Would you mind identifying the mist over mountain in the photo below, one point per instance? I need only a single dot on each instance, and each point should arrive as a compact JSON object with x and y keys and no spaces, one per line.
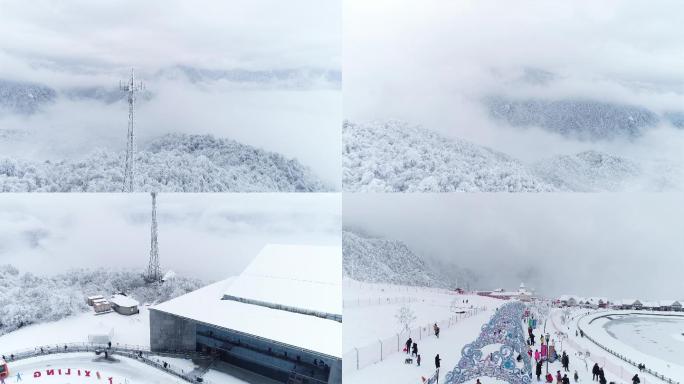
{"x":577,"y":119}
{"x":378,"y":260}
{"x":24,"y":98}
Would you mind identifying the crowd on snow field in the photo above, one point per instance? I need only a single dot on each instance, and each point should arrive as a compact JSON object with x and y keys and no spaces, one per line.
{"x":547,"y":354}
{"x":411,"y":348}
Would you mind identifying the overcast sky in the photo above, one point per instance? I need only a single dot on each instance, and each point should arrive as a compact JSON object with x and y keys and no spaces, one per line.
{"x":210,"y":236}
{"x":618,"y":245}
{"x":430,"y":62}
{"x":83,"y":43}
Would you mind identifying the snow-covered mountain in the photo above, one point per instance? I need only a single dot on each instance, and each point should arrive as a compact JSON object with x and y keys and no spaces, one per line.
{"x":578,"y":119}
{"x":291,"y":78}
{"x":588,"y":171}
{"x":397,"y":157}
{"x":172,"y":163}
{"x":377,"y":260}
{"x":24,"y":97}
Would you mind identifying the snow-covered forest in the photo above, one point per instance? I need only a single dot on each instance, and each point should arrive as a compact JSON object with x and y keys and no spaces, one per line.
{"x":170,"y":163}
{"x":29,"y":299}
{"x":374,"y":259}
{"x":395,"y":156}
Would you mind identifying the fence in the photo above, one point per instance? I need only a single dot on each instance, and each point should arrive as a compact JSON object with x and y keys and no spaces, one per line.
{"x":616,"y":369}
{"x":135,"y":352}
{"x":361,"y":357}
{"x":368,"y":301}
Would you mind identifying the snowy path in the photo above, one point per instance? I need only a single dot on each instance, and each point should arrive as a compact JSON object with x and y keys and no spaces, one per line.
{"x":448,"y":346}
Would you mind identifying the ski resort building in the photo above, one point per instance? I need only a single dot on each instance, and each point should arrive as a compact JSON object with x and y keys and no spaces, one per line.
{"x":280,"y":318}
{"x":124,"y":305}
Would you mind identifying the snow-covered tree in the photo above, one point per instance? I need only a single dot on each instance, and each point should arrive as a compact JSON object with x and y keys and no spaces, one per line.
{"x":405,"y":318}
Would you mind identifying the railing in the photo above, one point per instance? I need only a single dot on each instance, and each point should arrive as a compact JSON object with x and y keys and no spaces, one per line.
{"x":361,"y":357}
{"x":618,"y":370}
{"x":369,"y":301}
{"x":135,"y":352}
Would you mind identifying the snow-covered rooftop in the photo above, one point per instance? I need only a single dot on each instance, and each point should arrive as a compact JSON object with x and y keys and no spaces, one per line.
{"x":124,"y":301}
{"x":301,"y":276}
{"x":206,"y":305}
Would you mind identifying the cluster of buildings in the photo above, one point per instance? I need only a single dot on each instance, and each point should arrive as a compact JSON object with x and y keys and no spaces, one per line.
{"x":522,"y":294}
{"x":118,"y":303}
{"x":281,"y":318}
{"x":632,"y":304}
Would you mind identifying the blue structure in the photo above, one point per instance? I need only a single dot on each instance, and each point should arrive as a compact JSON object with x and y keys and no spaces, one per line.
{"x":505,"y":330}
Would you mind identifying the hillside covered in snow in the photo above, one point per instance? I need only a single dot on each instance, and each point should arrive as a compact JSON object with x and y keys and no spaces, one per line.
{"x":397,"y":157}
{"x":27,"y":299}
{"x":170,"y":163}
{"x":588,"y":171}
{"x":578,"y":119}
{"x":377,"y":260}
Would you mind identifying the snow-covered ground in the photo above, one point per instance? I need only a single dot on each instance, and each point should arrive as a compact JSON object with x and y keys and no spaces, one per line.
{"x":615,"y":369}
{"x":369,"y":317}
{"x":85,"y":368}
{"x":131,"y":330}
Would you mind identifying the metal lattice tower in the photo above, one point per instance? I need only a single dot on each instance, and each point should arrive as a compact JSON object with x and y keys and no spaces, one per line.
{"x":129,"y":167}
{"x":153,"y":274}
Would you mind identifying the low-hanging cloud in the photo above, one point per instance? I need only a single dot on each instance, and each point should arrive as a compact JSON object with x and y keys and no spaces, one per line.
{"x":432,"y":62}
{"x":80,"y":44}
{"x":617,"y":245}
{"x":210,"y":236}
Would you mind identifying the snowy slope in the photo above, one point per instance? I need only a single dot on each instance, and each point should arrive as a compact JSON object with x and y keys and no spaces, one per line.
{"x":23,"y":97}
{"x":171,"y":163}
{"x":397,"y":157}
{"x":580,"y":119}
{"x":377,"y":260}
{"x":588,"y":171}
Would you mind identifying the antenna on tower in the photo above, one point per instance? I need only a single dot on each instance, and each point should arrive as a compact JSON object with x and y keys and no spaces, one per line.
{"x":153,"y":274}
{"x":129,"y":167}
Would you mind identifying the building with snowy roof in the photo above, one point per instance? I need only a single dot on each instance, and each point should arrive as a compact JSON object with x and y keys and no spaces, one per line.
{"x":124,"y":305}
{"x":280,"y":318}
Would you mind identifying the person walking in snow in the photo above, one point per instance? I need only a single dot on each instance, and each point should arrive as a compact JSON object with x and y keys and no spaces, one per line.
{"x":18,"y":376}
{"x":635,"y":379}
{"x":414,"y":352}
{"x":566,"y":379}
{"x":595,"y":372}
{"x":418,"y":360}
{"x":436,"y":329}
{"x":537,"y":355}
{"x":437,"y":361}
{"x":559,"y":378}
{"x":602,"y":376}
{"x":538,"y":370}
{"x":565,"y":361}
{"x":409,"y":342}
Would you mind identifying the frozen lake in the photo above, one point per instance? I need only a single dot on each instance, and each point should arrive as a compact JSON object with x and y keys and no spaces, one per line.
{"x":658,"y":336}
